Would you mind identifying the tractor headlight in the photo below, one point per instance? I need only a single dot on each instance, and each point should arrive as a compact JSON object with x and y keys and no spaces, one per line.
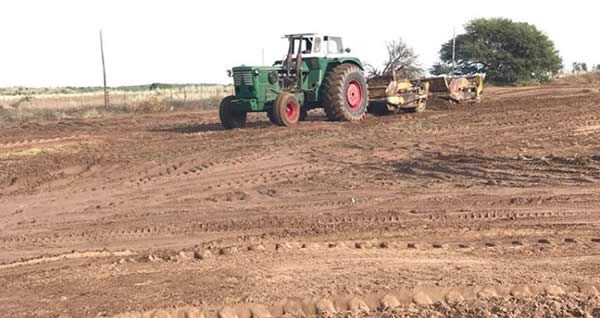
{"x":256,"y":72}
{"x":273,"y":78}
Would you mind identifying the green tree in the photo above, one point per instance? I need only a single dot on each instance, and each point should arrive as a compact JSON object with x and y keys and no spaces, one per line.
{"x":580,"y":67}
{"x":506,"y":51}
{"x":440,"y":68}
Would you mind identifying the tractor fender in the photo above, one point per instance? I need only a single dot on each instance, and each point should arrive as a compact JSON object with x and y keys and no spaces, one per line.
{"x":348,"y":60}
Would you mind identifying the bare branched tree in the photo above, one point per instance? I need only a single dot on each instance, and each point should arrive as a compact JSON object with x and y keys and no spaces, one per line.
{"x":401,"y":60}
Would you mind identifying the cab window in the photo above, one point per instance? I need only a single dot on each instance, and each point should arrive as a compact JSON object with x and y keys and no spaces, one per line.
{"x":317,"y":45}
{"x":308,"y":46}
{"x":334,"y":45}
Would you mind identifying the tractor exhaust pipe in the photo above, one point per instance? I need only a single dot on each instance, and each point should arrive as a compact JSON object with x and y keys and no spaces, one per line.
{"x":288,"y":61}
{"x":299,"y":65}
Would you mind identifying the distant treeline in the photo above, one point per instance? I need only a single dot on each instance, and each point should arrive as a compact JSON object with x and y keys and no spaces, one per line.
{"x":27,"y":91}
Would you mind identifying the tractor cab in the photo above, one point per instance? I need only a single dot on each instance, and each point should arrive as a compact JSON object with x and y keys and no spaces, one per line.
{"x":309,"y":55}
{"x":315,"y":45}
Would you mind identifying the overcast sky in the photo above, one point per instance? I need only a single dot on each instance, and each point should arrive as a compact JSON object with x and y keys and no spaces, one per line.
{"x":55,"y":43}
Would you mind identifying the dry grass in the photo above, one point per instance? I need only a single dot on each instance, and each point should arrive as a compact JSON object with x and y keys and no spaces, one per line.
{"x":590,"y":78}
{"x":68,"y":147}
{"x":41,"y":105}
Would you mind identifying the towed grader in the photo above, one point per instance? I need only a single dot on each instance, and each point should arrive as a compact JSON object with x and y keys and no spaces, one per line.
{"x":318,"y":72}
{"x":389,"y":95}
{"x":456,"y":89}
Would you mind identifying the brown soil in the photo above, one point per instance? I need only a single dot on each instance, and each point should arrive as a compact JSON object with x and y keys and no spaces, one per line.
{"x":473,"y":210}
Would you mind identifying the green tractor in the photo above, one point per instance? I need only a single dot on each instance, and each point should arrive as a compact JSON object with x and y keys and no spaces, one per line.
{"x":316,"y":72}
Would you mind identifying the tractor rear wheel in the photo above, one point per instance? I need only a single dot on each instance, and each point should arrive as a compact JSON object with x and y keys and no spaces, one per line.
{"x":345,"y":95}
{"x":230,"y":118}
{"x":286,"y":110}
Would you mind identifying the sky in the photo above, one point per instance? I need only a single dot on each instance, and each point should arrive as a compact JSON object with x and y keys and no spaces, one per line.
{"x":56,"y":43}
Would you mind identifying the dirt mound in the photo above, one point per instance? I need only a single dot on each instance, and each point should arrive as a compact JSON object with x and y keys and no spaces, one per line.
{"x":468,"y":301}
{"x":540,"y":306}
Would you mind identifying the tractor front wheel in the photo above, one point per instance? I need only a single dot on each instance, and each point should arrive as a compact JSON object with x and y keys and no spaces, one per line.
{"x":286,"y":110}
{"x":303,"y":115}
{"x":230,"y":118}
{"x":345,"y":94}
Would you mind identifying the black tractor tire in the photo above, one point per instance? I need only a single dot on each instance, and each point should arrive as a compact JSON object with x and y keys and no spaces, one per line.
{"x":378,"y":108}
{"x":271,"y":116}
{"x":344,"y":93}
{"x":286,"y":110}
{"x":230,"y":118}
{"x":303,"y":114}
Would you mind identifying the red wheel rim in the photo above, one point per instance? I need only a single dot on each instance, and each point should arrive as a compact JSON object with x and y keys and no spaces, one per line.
{"x":291,"y":111}
{"x":354,"y":95}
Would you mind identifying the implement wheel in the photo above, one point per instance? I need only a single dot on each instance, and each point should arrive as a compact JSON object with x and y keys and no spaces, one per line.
{"x":286,"y":110}
{"x":230,"y":118}
{"x":420,"y":107}
{"x":378,"y":108}
{"x":345,"y":94}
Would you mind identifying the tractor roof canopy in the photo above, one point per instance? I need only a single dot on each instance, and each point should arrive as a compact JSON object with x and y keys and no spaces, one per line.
{"x":316,"y":45}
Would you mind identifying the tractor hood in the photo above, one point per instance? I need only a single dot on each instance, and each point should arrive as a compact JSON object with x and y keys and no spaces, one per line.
{"x":247,"y":75}
{"x":255,"y":82}
{"x":246,"y":68}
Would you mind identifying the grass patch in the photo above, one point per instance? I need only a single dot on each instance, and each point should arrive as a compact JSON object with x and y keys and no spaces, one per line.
{"x":66,"y":148}
{"x":23,"y":111}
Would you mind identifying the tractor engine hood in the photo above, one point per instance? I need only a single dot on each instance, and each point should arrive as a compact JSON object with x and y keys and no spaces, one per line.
{"x":247,"y":75}
{"x":255,"y":82}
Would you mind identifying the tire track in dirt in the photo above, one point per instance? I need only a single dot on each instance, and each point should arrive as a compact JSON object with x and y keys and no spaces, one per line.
{"x":497,"y":171}
{"x":211,"y":249}
{"x":234,"y":173}
{"x":30,"y":142}
{"x":66,"y":256}
{"x":105,"y":231}
{"x":195,"y":166}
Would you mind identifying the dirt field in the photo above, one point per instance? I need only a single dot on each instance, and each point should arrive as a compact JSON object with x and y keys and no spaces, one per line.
{"x":488,"y":210}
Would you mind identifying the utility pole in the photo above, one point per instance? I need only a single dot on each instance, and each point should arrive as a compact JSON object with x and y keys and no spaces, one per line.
{"x":106,"y":99}
{"x":454,"y":50}
{"x":263,"y":57}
